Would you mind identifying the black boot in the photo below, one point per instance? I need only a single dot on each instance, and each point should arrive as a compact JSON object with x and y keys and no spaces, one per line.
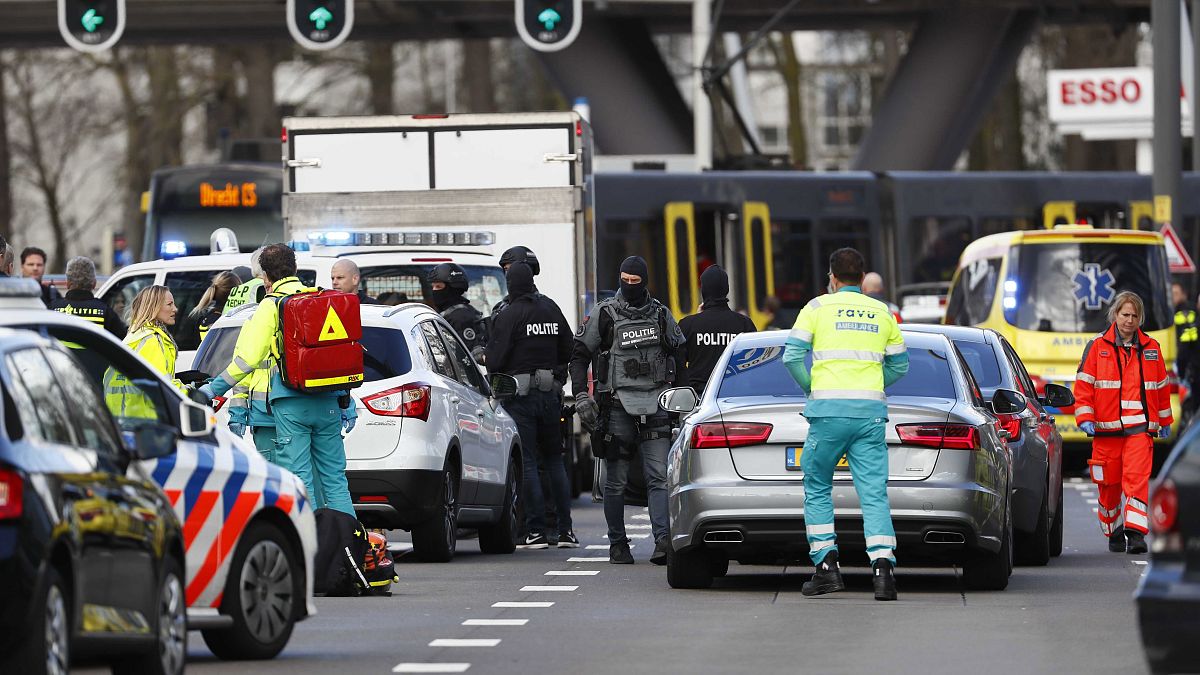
{"x":828,"y":578}
{"x":618,"y":554}
{"x":659,"y":557}
{"x":1116,"y":540}
{"x":885,"y":581}
{"x":1137,"y":542}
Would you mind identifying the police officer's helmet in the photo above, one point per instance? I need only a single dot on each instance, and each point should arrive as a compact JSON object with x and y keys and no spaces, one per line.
{"x":454,"y":276}
{"x":518,"y":254}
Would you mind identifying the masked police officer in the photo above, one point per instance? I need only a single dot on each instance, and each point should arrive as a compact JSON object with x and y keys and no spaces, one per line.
{"x":711,"y":329}
{"x":630,"y":341}
{"x":448,"y":283}
{"x":513,"y":255}
{"x":532,"y":342}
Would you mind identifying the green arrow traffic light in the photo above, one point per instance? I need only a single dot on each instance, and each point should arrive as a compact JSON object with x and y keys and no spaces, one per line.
{"x":320,"y":17}
{"x":91,"y":20}
{"x":549,"y":18}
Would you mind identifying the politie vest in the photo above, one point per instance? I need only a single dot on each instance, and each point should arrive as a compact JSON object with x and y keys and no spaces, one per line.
{"x":319,"y":346}
{"x":637,"y":360}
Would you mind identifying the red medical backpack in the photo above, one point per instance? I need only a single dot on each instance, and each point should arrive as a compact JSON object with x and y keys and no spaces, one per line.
{"x":320,"y":348}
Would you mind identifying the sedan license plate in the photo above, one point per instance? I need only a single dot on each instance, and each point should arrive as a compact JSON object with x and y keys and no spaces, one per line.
{"x":792,"y":462}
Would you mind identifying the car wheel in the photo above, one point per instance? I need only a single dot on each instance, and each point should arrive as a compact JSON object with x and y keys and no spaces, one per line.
{"x":986,"y":571}
{"x":1056,"y":530}
{"x":170,"y":653}
{"x":689,"y":569}
{"x":264,"y":585}
{"x":718,"y":565}
{"x":436,"y":539}
{"x":47,"y":648}
{"x":1033,"y":548}
{"x":501,"y":537}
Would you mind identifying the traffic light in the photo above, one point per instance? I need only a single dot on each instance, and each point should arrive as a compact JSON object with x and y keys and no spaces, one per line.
{"x":549,"y":25}
{"x":320,"y":24}
{"x":91,"y":25}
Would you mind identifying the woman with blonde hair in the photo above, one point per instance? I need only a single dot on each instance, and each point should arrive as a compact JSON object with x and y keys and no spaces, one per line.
{"x":208,"y":309}
{"x":151,"y":314}
{"x":1122,"y":400}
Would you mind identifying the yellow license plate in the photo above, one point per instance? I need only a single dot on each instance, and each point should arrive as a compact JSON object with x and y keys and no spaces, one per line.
{"x":792,"y":462}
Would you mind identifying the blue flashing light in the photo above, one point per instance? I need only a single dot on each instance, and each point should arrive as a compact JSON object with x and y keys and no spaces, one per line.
{"x":1010,"y":302}
{"x":1010,"y":286}
{"x":172,"y":248}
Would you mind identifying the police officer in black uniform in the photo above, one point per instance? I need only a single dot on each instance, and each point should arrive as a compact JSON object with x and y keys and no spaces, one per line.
{"x":531,"y":341}
{"x":711,"y":329}
{"x":448,"y":283}
{"x":512,"y":255}
{"x":79,"y":301}
{"x":630,"y":341}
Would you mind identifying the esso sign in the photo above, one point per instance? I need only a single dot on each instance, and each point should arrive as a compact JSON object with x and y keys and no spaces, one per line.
{"x":1100,"y":95}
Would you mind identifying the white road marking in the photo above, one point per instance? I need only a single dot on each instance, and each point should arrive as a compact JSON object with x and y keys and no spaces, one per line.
{"x":636,"y":535}
{"x":597,"y":547}
{"x":587,"y":559}
{"x":523,"y":604}
{"x":548,"y":589}
{"x":1140,"y":562}
{"x":571,"y":573}
{"x":468,"y":642}
{"x":641,"y":516}
{"x":431,"y":668}
{"x":1095,"y":509}
{"x":638,"y":526}
{"x":1075,"y":479}
{"x":495,"y":622}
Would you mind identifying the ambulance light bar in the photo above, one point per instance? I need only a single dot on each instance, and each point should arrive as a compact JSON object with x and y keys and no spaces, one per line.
{"x":343,"y":238}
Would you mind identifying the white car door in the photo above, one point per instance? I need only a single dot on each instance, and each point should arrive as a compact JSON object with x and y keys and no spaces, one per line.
{"x":493,"y":460}
{"x":463,"y":401}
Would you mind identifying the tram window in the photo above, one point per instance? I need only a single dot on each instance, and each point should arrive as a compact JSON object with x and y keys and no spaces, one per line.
{"x":973,"y":293}
{"x":838,"y":233}
{"x":619,"y":239}
{"x":938,"y":243}
{"x":998,"y":224}
{"x":792,"y":254}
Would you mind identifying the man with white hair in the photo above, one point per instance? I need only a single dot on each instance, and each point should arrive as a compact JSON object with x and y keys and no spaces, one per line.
{"x":346,"y":278}
{"x":79,"y":301}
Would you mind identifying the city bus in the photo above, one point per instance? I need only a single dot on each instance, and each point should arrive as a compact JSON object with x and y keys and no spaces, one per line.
{"x":186,"y":204}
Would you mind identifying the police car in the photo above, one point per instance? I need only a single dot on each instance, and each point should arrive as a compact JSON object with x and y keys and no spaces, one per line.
{"x":249,"y":532}
{"x":393,"y":267}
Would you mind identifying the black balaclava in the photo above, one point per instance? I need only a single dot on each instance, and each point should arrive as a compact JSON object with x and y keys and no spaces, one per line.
{"x":635,"y":294}
{"x":714,"y":286}
{"x":520,"y":280}
{"x":445,"y":297}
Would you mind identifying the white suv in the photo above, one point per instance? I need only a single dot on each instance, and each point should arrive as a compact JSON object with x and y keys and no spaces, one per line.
{"x":432,"y":450}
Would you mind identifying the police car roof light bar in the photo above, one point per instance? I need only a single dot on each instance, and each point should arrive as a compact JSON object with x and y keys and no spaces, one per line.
{"x":377,"y":238}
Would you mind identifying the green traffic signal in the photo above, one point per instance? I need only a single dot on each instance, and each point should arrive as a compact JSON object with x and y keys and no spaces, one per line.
{"x":91,"y":20}
{"x":320,"y":17}
{"x":549,"y":18}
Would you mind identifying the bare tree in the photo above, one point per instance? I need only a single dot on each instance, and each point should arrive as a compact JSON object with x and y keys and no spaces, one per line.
{"x":6,"y":206}
{"x":783,"y":47}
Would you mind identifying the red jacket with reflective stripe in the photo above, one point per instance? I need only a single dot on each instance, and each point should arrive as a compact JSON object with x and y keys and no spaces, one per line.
{"x":1123,"y":390}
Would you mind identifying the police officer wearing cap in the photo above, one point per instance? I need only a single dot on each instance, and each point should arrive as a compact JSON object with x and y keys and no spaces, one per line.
{"x":512,"y":255}
{"x":531,"y":341}
{"x":447,"y":284}
{"x":630,"y":342}
{"x":711,"y":329}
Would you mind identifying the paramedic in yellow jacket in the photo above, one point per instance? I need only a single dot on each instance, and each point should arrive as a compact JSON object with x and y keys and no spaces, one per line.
{"x":308,"y":427}
{"x":151,"y":315}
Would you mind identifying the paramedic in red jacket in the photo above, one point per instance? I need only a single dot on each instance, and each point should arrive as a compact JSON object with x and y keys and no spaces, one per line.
{"x":1122,"y":399}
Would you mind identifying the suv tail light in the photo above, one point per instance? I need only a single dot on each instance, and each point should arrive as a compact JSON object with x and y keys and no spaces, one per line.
{"x":12,"y":491}
{"x":948,"y":436}
{"x":409,"y":400}
{"x":1164,"y":508}
{"x":729,"y":434}
{"x":1011,"y":424}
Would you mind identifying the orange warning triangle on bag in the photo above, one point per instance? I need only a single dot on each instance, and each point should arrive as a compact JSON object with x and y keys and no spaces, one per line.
{"x":333,"y":328}
{"x":1177,"y":256}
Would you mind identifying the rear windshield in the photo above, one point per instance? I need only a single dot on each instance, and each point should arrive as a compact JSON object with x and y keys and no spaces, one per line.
{"x":760,"y":372}
{"x":394,"y":284}
{"x":981,"y":359}
{"x":385,"y":354}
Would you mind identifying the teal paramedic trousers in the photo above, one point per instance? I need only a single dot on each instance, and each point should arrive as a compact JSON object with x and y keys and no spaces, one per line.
{"x":863,"y":443}
{"x":308,"y":441}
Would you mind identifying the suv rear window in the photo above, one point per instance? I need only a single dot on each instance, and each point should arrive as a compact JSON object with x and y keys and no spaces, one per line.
{"x":385,"y":355}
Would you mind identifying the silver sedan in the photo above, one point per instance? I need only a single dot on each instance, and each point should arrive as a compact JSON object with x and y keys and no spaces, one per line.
{"x":737,"y":493}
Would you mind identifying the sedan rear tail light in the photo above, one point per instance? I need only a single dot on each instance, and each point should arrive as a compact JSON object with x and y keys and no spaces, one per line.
{"x":1164,"y":508}
{"x":729,"y":434}
{"x":1011,"y":424}
{"x":948,"y":436}
{"x":12,"y":491}
{"x":409,"y":400}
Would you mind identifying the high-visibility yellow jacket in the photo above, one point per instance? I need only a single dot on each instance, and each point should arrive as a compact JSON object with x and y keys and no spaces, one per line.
{"x":857,"y":350}
{"x":251,"y":291}
{"x":257,"y":345}
{"x":155,"y":345}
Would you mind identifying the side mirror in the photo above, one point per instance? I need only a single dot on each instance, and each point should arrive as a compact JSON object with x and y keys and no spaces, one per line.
{"x":151,"y":441}
{"x":679,"y":400}
{"x":503,"y":386}
{"x":1007,"y":402}
{"x":195,"y":419}
{"x":1058,"y":396}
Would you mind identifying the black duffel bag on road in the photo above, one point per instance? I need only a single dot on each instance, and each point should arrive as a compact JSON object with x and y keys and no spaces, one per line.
{"x":341,"y":553}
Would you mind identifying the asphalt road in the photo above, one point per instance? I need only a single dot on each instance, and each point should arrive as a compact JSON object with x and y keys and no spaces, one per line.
{"x":1074,"y":616}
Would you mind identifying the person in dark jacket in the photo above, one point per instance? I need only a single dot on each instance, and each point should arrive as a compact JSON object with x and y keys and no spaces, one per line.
{"x":79,"y":300}
{"x":346,"y":278}
{"x":33,"y":266}
{"x":448,"y":285}
{"x":710,"y":330}
{"x":514,"y":255}
{"x":532,"y":341}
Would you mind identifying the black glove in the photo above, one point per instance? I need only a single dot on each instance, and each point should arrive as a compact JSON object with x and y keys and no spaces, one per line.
{"x":588,"y":409}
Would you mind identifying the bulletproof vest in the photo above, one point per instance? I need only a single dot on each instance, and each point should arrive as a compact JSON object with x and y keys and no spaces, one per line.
{"x":637,"y":361}
{"x":469,"y":323}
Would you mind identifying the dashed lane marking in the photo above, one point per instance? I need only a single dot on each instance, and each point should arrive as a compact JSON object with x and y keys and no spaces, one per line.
{"x":589,"y":559}
{"x":431,"y":668}
{"x":641,"y":516}
{"x":495,"y":622}
{"x":597,"y":547}
{"x":1140,"y":562}
{"x":636,"y":535}
{"x":638,"y":526}
{"x":548,"y":589}
{"x":572,"y":573}
{"x":523,"y":604}
{"x":465,"y":642}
